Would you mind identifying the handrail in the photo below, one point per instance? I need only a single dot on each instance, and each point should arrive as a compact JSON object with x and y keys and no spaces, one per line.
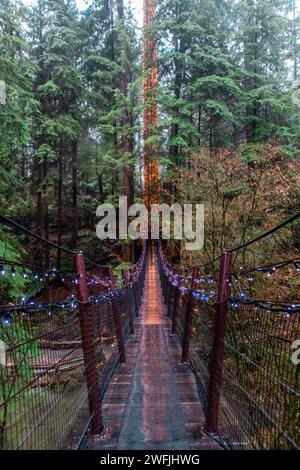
{"x":88,"y":341}
{"x":212,"y":337}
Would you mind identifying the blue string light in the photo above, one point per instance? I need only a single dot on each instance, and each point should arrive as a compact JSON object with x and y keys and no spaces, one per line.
{"x":267,"y":305}
{"x":268,"y":270}
{"x":40,"y":276}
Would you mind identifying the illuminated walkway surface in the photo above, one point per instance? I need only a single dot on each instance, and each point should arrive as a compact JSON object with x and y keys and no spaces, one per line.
{"x":153,"y":403}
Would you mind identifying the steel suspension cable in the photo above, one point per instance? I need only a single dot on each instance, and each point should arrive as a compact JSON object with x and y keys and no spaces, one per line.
{"x":6,"y":220}
{"x":255,"y":239}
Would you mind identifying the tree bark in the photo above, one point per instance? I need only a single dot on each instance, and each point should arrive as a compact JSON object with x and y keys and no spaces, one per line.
{"x":74,"y":193}
{"x":250,"y":64}
{"x":59,"y":205}
{"x":127,"y":140}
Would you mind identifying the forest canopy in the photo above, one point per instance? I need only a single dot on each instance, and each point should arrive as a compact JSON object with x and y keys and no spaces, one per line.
{"x":72,"y":131}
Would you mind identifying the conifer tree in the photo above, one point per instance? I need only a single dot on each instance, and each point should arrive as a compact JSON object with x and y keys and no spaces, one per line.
{"x":58,"y":87}
{"x":15,"y":127}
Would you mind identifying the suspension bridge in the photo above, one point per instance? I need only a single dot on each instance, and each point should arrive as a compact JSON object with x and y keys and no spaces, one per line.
{"x":160,"y":358}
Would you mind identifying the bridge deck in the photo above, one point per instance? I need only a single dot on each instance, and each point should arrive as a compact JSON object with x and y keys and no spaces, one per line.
{"x":153,"y":403}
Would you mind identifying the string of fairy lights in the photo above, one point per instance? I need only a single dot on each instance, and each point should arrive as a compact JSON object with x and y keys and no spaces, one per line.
{"x":240,"y":299}
{"x":244,"y":276}
{"x":28,"y":306}
{"x":9,"y":268}
{"x":205,"y":295}
{"x":13,"y":269}
{"x":269,"y":269}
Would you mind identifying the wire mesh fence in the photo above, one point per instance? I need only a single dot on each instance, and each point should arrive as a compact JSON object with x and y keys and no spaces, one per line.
{"x":57,"y":359}
{"x":259,"y":392}
{"x":42,"y":384}
{"x":202,"y":345}
{"x":181,"y":314}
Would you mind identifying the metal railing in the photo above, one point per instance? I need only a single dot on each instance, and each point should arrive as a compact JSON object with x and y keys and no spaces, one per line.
{"x":57,"y":358}
{"x":241,"y":352}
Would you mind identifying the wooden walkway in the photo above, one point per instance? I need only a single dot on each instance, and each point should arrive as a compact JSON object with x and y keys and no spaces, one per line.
{"x":152,"y":402}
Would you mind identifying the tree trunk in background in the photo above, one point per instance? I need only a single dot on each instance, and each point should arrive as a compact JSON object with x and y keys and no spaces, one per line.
{"x":100,"y":186}
{"x":127,"y":140}
{"x":250,"y":64}
{"x":23,"y":168}
{"x":59,"y":204}
{"x":74,"y":193}
{"x":99,"y":177}
{"x":180,"y":49}
{"x":211,"y":132}
{"x":199,"y":125}
{"x":39,"y":207}
{"x":45,"y":216}
{"x":174,"y":149}
{"x":120,"y":8}
{"x":295,"y":47}
{"x":42,"y":203}
{"x":150,"y":108}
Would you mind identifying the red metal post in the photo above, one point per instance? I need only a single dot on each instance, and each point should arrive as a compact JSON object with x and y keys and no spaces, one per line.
{"x":168,"y":295}
{"x":135,"y":296}
{"x":188,"y":319}
{"x":89,"y":354}
{"x":218,"y":344}
{"x":118,"y":328}
{"x":125,"y":282}
{"x":176,"y":307}
{"x":111,"y":278}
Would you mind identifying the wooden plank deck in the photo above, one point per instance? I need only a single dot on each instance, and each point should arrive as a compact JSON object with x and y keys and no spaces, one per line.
{"x":152,"y":402}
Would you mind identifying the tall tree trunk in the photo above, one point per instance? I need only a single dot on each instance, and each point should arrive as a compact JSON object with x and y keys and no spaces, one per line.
{"x":45,"y":215}
{"x":74,"y":192}
{"x":39,"y":204}
{"x":199,"y":124}
{"x":23,"y":168}
{"x":250,"y":64}
{"x":99,"y":177}
{"x":211,"y":130}
{"x":127,"y":140}
{"x":59,"y":204}
{"x":180,"y":48}
{"x":174,"y":149}
{"x":42,"y":204}
{"x":120,"y":8}
{"x":295,"y":48}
